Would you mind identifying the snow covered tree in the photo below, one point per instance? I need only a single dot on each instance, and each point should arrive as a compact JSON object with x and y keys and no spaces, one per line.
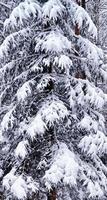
{"x":52,"y":137}
{"x":98,"y":11}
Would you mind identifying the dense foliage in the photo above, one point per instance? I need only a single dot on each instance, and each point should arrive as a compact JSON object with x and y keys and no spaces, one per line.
{"x":52,"y":136}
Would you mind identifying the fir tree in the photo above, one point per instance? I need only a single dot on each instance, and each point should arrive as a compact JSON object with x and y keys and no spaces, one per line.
{"x":53,"y":139}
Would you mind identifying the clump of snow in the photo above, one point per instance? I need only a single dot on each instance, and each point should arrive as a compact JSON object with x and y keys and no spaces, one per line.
{"x":44,"y":82}
{"x":94,"y":181}
{"x":11,"y":43}
{"x":25,"y":90}
{"x":90,"y":94}
{"x":19,"y":188}
{"x":53,"y":10}
{"x":8,"y":120}
{"x":54,"y":42}
{"x":37,"y":68}
{"x":94,"y":190}
{"x":88,"y":123}
{"x":72,"y":97}
{"x":51,"y":112}
{"x":25,"y":11}
{"x":95,"y":144}
{"x":9,"y":179}
{"x":64,"y":167}
{"x":80,"y":15}
{"x":21,"y":149}
{"x":91,"y":51}
{"x":64,"y":62}
{"x":19,"y":185}
{"x":36,"y":127}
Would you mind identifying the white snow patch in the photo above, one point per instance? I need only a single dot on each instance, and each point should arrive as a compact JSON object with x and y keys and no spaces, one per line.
{"x":36,"y":127}
{"x":53,"y":10}
{"x":64,"y":167}
{"x":95,"y":144}
{"x":53,"y":42}
{"x":25,"y":90}
{"x":23,"y":12}
{"x":21,"y":149}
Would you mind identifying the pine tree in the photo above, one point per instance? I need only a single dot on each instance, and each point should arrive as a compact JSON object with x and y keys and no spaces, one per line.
{"x":53,"y":139}
{"x":98,"y":12}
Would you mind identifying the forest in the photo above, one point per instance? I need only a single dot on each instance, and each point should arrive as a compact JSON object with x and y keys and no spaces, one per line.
{"x":53,"y":99}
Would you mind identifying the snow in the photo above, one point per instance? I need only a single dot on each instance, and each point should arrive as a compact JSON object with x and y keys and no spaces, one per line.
{"x":64,"y":62}
{"x":53,"y":112}
{"x":54,"y":42}
{"x":9,"y":179}
{"x":89,"y":123}
{"x":19,"y":188}
{"x":50,"y":112}
{"x":53,"y":47}
{"x":80,"y":16}
{"x":93,"y":96}
{"x":22,"y":186}
{"x":11,"y":43}
{"x":19,"y":185}
{"x":64,"y":168}
{"x":21,"y":149}
{"x":22,"y":13}
{"x":25,"y":91}
{"x":36,"y":127}
{"x":44,"y":82}
{"x":8,"y":120}
{"x":91,"y":51}
{"x":53,"y":10}
{"x":94,"y":144}
{"x":1,"y":137}
{"x":94,"y":190}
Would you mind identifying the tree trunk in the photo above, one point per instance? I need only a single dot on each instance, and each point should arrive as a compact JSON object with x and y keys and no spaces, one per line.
{"x":80,"y":73}
{"x":52,"y":194}
{"x":83,"y":4}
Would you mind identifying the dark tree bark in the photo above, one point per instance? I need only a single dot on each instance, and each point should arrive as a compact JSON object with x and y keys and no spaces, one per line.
{"x":52,"y":194}
{"x":83,"y":4}
{"x":80,"y":73}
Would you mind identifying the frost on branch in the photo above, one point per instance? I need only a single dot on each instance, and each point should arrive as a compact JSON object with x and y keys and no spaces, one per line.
{"x":24,"y":91}
{"x":94,"y":181}
{"x":86,"y":94}
{"x":49,"y":113}
{"x":21,"y":149}
{"x":14,"y":42}
{"x":64,"y":63}
{"x":53,"y":10}
{"x":95,"y":144}
{"x":21,"y":15}
{"x":64,"y":168}
{"x":19,"y":185}
{"x":45,"y":104}
{"x":54,"y":42}
{"x":36,"y":127}
{"x":45,"y":82}
{"x":81,"y":16}
{"x":8,"y":120}
{"x":91,"y":51}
